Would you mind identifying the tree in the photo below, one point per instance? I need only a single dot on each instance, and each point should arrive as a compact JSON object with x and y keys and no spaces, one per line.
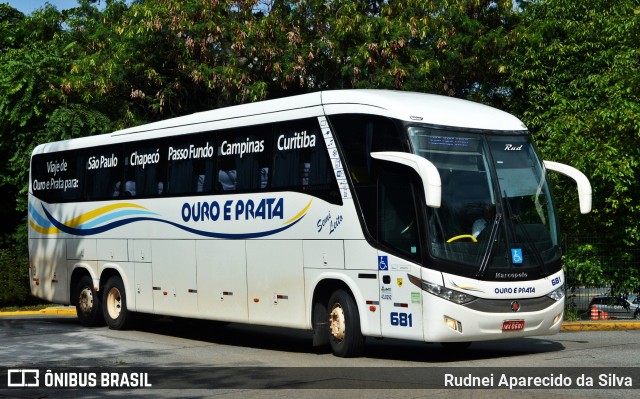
{"x":575,"y":80}
{"x":451,"y":47}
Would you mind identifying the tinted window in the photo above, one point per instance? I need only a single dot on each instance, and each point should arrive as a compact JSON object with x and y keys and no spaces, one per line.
{"x":103,"y":172}
{"x":385,"y":192}
{"x":359,"y":136}
{"x":191,"y":165}
{"x":301,"y":162}
{"x":243,"y":160}
{"x":145,"y":169}
{"x":397,"y":213}
{"x":57,"y":177}
{"x":288,"y":156}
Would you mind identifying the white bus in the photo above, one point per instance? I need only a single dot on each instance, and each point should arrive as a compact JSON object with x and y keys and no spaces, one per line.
{"x":355,"y":213}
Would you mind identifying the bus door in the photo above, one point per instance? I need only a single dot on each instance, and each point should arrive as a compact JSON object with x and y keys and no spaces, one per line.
{"x":398,"y":229}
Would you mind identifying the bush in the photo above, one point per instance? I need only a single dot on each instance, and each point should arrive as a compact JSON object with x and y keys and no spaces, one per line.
{"x":14,"y":277}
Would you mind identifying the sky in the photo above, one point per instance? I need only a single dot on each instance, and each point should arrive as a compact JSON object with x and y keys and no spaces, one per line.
{"x":28,"y":6}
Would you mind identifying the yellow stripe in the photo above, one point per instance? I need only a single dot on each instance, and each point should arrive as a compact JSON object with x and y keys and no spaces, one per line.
{"x":42,"y":230}
{"x":299,"y":213}
{"x":98,"y":212}
{"x":83,"y":218}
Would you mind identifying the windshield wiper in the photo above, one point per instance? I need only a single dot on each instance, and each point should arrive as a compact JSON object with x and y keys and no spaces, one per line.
{"x":492,"y":240}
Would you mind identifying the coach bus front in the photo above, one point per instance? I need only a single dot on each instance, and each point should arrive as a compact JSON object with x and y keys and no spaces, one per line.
{"x":493,"y":238}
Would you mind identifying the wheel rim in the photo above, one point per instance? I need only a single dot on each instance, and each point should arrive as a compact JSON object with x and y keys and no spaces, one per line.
{"x":336,"y":322}
{"x":114,"y":303}
{"x":85,"y":300}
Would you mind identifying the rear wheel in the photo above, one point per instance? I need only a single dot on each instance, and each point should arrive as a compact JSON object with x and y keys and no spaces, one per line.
{"x":114,"y":304}
{"x":88,"y":306}
{"x":345,"y":335}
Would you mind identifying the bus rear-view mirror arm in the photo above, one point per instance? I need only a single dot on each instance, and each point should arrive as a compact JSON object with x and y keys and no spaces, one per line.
{"x":584,"y":187}
{"x":425,"y":169}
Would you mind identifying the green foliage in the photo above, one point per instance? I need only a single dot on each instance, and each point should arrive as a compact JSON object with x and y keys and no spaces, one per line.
{"x":14,"y":277}
{"x":574,"y":73}
{"x":586,"y":268}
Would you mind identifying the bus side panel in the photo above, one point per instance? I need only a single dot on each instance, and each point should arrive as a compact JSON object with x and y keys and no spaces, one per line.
{"x":143,"y":287}
{"x":222,"y":280}
{"x":174,"y":278}
{"x":81,"y":249}
{"x":360,"y":255}
{"x":275,"y":283}
{"x":48,"y":274}
{"x":323,"y":254}
{"x":139,"y":251}
{"x":400,"y":300}
{"x":110,"y":250}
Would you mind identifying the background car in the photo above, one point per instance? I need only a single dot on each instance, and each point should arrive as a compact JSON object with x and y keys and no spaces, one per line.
{"x":617,"y":307}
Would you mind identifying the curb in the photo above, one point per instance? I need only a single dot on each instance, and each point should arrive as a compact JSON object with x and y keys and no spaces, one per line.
{"x":600,"y":326}
{"x":56,"y":311}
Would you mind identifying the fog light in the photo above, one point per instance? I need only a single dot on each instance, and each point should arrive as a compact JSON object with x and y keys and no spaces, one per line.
{"x":453,"y":324}
{"x":557,"y":319}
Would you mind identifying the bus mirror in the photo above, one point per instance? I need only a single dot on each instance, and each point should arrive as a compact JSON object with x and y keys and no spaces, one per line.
{"x":425,"y":169}
{"x":584,"y":187}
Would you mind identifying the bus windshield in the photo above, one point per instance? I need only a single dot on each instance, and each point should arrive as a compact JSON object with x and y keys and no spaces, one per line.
{"x":497,"y":220}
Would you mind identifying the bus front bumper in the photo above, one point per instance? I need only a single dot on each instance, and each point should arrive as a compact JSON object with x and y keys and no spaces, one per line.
{"x":445,"y":321}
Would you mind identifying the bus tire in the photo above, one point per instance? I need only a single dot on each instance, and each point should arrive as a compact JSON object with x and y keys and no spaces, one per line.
{"x":88,"y":306}
{"x":345,"y":335}
{"x":114,"y":304}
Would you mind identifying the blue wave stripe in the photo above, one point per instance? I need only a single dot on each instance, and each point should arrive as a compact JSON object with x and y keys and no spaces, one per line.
{"x":118,"y":223}
{"x":38,"y":218}
{"x":114,"y":215}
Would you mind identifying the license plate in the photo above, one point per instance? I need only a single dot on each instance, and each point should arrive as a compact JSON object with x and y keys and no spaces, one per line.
{"x":513,"y":325}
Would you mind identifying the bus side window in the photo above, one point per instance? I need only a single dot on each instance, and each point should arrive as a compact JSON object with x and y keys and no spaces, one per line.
{"x":243,"y":159}
{"x":397,"y":212}
{"x":103,"y":176}
{"x":62,"y":180}
{"x":190,"y":166}
{"x":301,"y":162}
{"x":145,"y":170}
{"x":359,"y":136}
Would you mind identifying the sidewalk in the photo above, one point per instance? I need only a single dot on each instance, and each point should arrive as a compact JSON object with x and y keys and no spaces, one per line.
{"x":586,"y":325}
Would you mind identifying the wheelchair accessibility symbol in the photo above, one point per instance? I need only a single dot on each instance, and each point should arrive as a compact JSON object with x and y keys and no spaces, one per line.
{"x":383,"y":263}
{"x":516,"y":256}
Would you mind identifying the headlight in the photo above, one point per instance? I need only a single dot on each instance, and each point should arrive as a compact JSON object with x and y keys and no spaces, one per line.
{"x":442,"y":292}
{"x":558,"y":294}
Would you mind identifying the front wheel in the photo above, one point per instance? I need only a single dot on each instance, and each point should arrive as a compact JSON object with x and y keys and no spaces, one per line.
{"x":114,"y":304}
{"x":345,"y":335}
{"x":88,"y":305}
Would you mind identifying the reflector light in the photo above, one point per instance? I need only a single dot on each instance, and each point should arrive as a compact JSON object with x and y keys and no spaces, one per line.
{"x":557,"y":319}
{"x":453,"y":324}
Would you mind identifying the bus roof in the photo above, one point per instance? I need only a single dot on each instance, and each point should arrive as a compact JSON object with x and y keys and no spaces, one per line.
{"x":427,"y":108}
{"x":402,"y":105}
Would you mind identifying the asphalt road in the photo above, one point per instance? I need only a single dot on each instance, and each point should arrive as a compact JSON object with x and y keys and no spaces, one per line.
{"x":203,"y":359}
